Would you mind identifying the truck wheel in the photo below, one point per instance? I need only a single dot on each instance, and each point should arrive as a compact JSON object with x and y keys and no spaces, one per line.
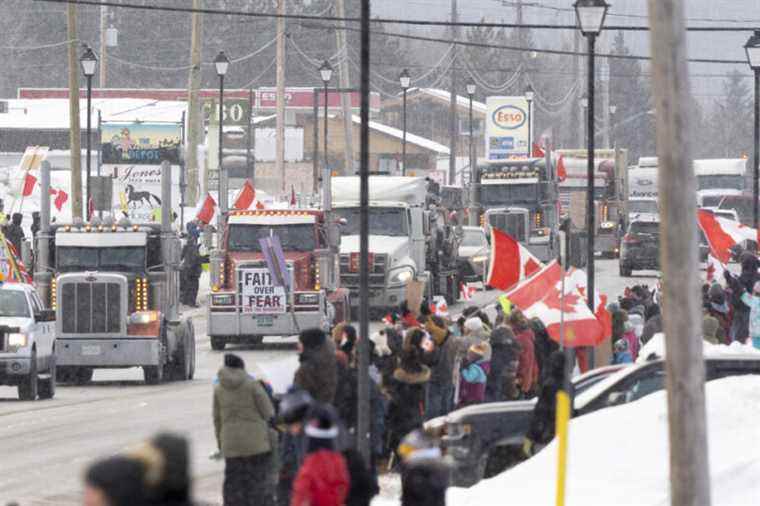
{"x":191,"y":333}
{"x":46,"y":386}
{"x":182,"y":364}
{"x":83,"y":375}
{"x":27,"y":390}
{"x":153,"y":375}
{"x":218,"y":343}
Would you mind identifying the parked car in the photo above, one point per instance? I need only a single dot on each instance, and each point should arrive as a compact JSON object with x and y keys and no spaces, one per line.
{"x":485,"y":439}
{"x":640,"y":247}
{"x":473,"y":255}
{"x":27,"y":342}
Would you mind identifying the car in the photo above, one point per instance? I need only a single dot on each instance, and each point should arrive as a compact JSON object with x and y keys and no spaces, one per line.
{"x":27,"y":342}
{"x":476,"y":437}
{"x":473,"y":255}
{"x":640,"y":246}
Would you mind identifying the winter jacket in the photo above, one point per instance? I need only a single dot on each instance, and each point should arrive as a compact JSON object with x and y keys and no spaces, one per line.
{"x":242,"y":411}
{"x":710,"y":327}
{"x":543,"y":344}
{"x":527,"y":369}
{"x":407,"y":404}
{"x":622,"y":357}
{"x":722,"y":313}
{"x":317,"y":373}
{"x":651,"y":327}
{"x":753,"y":303}
{"x":191,"y":258}
{"x":442,"y":361}
{"x":502,"y":358}
{"x":542,"y":424}
{"x":363,"y":481}
{"x":472,"y":383}
{"x":345,"y":393}
{"x":633,"y":343}
{"x":744,"y":283}
{"x":15,"y":235}
{"x":323,"y":480}
{"x":424,"y":483}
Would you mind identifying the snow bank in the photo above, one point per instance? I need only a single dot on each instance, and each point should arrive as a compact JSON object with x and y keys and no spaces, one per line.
{"x":620,"y":456}
{"x":657,"y":346}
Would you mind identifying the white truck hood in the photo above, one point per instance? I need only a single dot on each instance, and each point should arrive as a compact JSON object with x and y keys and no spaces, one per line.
{"x":395,"y":247}
{"x":22,"y":324}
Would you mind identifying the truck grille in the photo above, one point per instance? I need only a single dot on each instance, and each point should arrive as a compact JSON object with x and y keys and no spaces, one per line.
{"x":512,"y":224}
{"x":376,"y":274}
{"x":89,"y":308}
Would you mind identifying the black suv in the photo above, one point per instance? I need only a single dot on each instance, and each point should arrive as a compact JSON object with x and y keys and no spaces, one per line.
{"x":640,"y":246}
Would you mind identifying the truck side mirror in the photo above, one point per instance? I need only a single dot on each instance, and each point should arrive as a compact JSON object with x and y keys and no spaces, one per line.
{"x":45,"y":315}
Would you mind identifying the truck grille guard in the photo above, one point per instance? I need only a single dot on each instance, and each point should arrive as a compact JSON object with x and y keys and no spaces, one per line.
{"x":92,"y":304}
{"x":378,"y":269}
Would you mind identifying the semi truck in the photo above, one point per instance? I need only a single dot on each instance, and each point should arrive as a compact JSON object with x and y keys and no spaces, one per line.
{"x":114,"y":287}
{"x":411,"y":237}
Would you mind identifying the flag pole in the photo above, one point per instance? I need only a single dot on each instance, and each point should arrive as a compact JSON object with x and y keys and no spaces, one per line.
{"x":563,"y":395}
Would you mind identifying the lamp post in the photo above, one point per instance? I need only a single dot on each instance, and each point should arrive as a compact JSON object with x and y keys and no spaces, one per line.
{"x":753,"y":58}
{"x":326,"y":72}
{"x":405,"y":81}
{"x":584,"y":106}
{"x":89,"y":61}
{"x":529,"y":96}
{"x":613,"y":110}
{"x":590,"y":14}
{"x":222,"y":64}
{"x":473,"y":218}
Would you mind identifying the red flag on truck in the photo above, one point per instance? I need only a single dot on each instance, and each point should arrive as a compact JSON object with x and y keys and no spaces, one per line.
{"x":245,"y":196}
{"x":207,"y":210}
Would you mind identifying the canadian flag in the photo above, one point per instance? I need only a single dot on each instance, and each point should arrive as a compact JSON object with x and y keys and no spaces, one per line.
{"x":466,"y":291}
{"x":541,"y":296}
{"x":723,"y":234}
{"x":60,"y":199}
{"x":577,"y":277}
{"x":245,"y":196}
{"x":439,"y":306}
{"x":511,"y":262}
{"x":29,"y":182}
{"x":207,"y":210}
{"x":715,"y":269}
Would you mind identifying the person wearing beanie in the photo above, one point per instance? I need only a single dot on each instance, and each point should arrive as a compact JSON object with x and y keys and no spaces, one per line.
{"x":323,"y":478}
{"x":115,"y":481}
{"x":473,"y":376}
{"x":317,"y":371}
{"x":242,"y":414}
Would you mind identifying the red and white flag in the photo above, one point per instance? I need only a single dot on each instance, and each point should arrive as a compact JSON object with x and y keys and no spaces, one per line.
{"x":723,"y":234}
{"x":578,"y":278}
{"x":715,"y":269}
{"x":511,"y":262}
{"x":541,"y":296}
{"x":466,"y":291}
{"x":207,"y":210}
{"x":29,"y":182}
{"x":60,"y":199}
{"x":245,"y":196}
{"x":439,"y":306}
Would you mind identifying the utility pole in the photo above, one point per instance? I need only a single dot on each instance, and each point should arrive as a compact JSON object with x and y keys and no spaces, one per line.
{"x":345,"y":83}
{"x":605,"y":71}
{"x":194,"y":116}
{"x":103,"y":46}
{"x":453,"y":98}
{"x":685,"y":369}
{"x":280,"y":135}
{"x":75,"y":140}
{"x":575,"y":121}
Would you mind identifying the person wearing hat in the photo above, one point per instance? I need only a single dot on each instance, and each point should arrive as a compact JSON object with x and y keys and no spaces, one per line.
{"x":317,"y":372}
{"x":242,"y":414}
{"x":473,"y":376}
{"x":293,"y":408}
{"x":424,"y":474}
{"x":191,"y":266}
{"x":323,"y":478}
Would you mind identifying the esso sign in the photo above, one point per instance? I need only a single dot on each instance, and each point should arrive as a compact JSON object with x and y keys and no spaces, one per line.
{"x":509,"y":117}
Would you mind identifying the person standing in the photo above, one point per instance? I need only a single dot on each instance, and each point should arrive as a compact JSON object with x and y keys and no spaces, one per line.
{"x":242,"y":415}
{"x":424,"y":473}
{"x":317,"y":372}
{"x":745,"y":283}
{"x":14,"y":233}
{"x":527,"y":371}
{"x":191,"y":266}
{"x":442,"y":360}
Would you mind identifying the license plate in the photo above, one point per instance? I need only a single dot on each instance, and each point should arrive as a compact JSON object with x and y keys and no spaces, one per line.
{"x":264,"y":320}
{"x":90,"y":349}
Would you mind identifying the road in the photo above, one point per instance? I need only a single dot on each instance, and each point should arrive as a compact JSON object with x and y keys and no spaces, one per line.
{"x":47,"y":444}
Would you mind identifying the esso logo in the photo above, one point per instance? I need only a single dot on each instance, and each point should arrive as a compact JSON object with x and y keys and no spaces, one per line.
{"x":509,"y":117}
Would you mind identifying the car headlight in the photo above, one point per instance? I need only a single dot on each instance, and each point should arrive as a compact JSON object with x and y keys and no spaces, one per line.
{"x":143,"y":317}
{"x":607,"y":225}
{"x":228,"y":299}
{"x":401,"y":275}
{"x":307,"y":299}
{"x":479,"y":259}
{"x":17,"y":340}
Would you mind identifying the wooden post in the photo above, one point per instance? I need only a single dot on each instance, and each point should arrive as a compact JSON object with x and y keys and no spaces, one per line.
{"x":75,"y":131}
{"x":194,"y":116}
{"x":453,"y":132}
{"x":280,"y":78}
{"x":689,"y":466}
{"x":345,"y":97}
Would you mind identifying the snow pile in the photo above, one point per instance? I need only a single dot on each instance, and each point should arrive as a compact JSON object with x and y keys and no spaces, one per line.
{"x":656,"y":345}
{"x":620,"y":456}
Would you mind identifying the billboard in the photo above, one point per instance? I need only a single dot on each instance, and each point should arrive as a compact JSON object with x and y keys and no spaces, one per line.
{"x":140,"y":143}
{"x":507,"y":128}
{"x":137,"y":190}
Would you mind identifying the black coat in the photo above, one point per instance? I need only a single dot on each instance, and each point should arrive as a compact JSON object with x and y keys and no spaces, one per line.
{"x":542,"y":424}
{"x":317,"y":372}
{"x":502,"y":355}
{"x":191,"y":259}
{"x":407,"y":405}
{"x":424,"y":483}
{"x":363,"y":481}
{"x":15,"y":234}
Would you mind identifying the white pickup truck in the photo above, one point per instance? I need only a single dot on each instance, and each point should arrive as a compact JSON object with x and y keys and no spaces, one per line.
{"x":27,"y":342}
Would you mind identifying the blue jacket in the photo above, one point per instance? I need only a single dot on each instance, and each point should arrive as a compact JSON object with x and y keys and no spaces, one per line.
{"x":753,"y":303}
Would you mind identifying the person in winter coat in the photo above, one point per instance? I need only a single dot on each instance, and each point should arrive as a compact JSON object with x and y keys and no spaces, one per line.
{"x":191,"y":266}
{"x":14,"y":233}
{"x":542,"y":423}
{"x":752,"y":301}
{"x":653,"y":324}
{"x":544,"y":345}
{"x":622,"y":354}
{"x":363,"y":481}
{"x":317,"y":372}
{"x":293,"y":408}
{"x":242,"y":415}
{"x":741,"y":319}
{"x":527,"y":372}
{"x":441,"y":360}
{"x":504,"y":352}
{"x":323,"y":478}
{"x":629,"y":336}
{"x":115,"y":481}
{"x":710,"y":328}
{"x":424,"y":475}
{"x":717,"y":306}
{"x":473,"y":376}
{"x":475,"y":333}
{"x":407,"y":389}
{"x":619,"y":317}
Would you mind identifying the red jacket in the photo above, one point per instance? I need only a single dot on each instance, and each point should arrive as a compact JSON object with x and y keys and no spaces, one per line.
{"x":323,"y":480}
{"x":527,"y":370}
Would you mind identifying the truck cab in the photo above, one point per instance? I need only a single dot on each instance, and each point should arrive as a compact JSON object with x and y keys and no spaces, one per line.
{"x":247,"y":304}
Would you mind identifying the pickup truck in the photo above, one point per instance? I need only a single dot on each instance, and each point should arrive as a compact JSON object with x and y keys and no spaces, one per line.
{"x":27,"y":342}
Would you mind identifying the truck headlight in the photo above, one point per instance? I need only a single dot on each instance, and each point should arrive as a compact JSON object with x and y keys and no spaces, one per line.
{"x":17,"y":340}
{"x":307,"y":299}
{"x":606,"y":225}
{"x":401,"y":275}
{"x":143,"y":317}
{"x":228,"y":299}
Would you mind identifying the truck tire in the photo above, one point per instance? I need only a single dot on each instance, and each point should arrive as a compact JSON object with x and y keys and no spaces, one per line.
{"x":27,"y":389}
{"x":191,"y":333}
{"x":218,"y":343}
{"x":154,"y":374}
{"x":46,"y":387}
{"x":83,"y":375}
{"x":181,"y":368}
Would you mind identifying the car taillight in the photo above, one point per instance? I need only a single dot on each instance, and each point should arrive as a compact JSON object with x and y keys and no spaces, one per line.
{"x":630,"y":239}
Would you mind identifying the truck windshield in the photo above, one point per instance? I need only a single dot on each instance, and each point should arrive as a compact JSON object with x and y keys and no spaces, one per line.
{"x":732,"y":181}
{"x":13,"y":303}
{"x":497,"y":195}
{"x":382,"y":221}
{"x":473,"y":238}
{"x":121,"y":259}
{"x":292,"y":237}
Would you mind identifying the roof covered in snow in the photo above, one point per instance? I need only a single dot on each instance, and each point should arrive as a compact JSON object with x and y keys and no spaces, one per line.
{"x":445,"y":96}
{"x":421,"y":142}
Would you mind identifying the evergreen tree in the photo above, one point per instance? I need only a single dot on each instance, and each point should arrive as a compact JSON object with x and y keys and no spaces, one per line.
{"x":734,"y":115}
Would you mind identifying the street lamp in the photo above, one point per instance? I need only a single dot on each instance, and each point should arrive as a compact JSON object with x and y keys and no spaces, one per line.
{"x":473,"y":219}
{"x":590,"y":15}
{"x":222,"y":64}
{"x":753,"y":58}
{"x":89,"y":61}
{"x":529,"y":96}
{"x":405,"y":81}
{"x":326,"y":71}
